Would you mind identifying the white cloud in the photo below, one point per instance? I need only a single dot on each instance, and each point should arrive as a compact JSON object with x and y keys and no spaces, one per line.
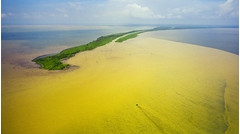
{"x":177,"y":10}
{"x":227,"y":6}
{"x":3,"y":15}
{"x":75,"y":5}
{"x":234,"y":14}
{"x":25,"y":15}
{"x":58,"y":15}
{"x":70,"y":3}
{"x":61,"y":10}
{"x":52,"y":14}
{"x":171,"y":16}
{"x":188,"y":10}
{"x":10,"y":14}
{"x":120,"y":0}
{"x":66,"y":15}
{"x":137,"y":11}
{"x":128,"y":11}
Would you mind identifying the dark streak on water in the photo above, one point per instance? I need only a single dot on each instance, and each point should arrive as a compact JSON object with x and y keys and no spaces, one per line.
{"x":157,"y":122}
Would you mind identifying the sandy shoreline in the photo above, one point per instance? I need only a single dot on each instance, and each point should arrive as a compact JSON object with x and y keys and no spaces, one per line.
{"x":179,"y":88}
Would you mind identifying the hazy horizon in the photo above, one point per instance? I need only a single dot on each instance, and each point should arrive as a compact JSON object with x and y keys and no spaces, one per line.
{"x":120,"y":12}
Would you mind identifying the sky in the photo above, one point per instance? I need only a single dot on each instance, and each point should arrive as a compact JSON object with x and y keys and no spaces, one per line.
{"x":119,"y":12}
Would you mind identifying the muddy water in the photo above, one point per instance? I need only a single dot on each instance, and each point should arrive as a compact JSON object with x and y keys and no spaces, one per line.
{"x":144,"y":85}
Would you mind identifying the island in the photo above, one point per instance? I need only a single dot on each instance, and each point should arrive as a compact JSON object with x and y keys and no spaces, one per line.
{"x":53,"y":62}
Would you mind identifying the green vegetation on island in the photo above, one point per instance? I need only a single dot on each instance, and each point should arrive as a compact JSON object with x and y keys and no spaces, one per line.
{"x":53,"y":62}
{"x":130,"y":36}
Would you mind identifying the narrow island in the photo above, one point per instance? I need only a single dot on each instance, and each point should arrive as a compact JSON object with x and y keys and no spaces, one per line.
{"x":53,"y":62}
{"x":130,"y":36}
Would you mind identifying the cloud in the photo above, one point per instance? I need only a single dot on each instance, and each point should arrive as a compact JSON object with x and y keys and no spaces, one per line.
{"x":25,"y":15}
{"x":3,"y":15}
{"x":75,"y":5}
{"x":234,"y":14}
{"x":52,"y":14}
{"x":120,"y":0}
{"x":171,"y":16}
{"x":122,"y":11}
{"x":59,"y":15}
{"x":61,"y":10}
{"x":34,"y":16}
{"x":66,"y":15}
{"x":10,"y":14}
{"x":189,"y":10}
{"x":137,"y":11}
{"x":227,"y":6}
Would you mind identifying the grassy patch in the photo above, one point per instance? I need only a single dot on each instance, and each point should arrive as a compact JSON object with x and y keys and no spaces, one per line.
{"x":130,"y":36}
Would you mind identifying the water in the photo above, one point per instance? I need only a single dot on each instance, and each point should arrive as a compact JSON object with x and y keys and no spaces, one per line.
{"x":176,"y":92}
{"x":21,"y":44}
{"x":194,"y":95}
{"x":36,"y":38}
{"x":226,"y":39}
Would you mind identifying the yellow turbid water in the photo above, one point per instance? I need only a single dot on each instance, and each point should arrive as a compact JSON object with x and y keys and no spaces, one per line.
{"x":143,"y":85}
